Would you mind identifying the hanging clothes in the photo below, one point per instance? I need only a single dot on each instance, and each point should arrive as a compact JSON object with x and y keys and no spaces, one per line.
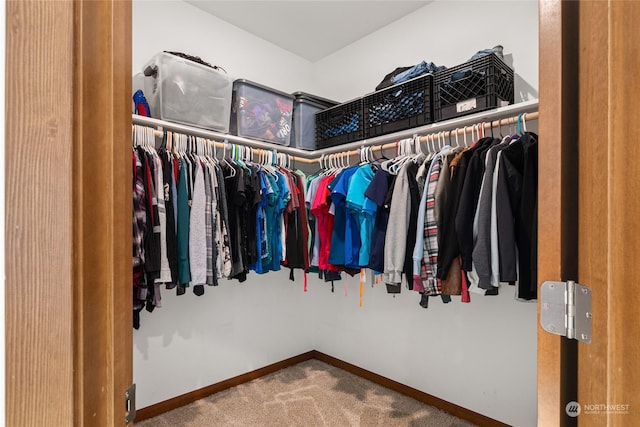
{"x":398,"y":228}
{"x":517,"y":205}
{"x":379,"y":192}
{"x":460,"y":219}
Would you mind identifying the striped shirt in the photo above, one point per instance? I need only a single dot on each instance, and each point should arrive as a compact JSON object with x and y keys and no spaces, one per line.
{"x":430,"y":252}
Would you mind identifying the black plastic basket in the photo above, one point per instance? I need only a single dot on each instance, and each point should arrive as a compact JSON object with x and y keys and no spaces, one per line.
{"x":477,"y":85}
{"x":402,"y":106}
{"x":339,"y":125}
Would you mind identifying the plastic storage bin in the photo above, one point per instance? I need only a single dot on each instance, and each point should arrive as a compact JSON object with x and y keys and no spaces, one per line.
{"x":303,"y":126}
{"x":261,"y":112}
{"x":477,"y":85}
{"x":339,"y":125}
{"x":402,"y":106}
{"x":184,"y":91}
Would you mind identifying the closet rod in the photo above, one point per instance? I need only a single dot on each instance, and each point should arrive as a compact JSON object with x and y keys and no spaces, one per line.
{"x":219,"y":136}
{"x":456,"y":126}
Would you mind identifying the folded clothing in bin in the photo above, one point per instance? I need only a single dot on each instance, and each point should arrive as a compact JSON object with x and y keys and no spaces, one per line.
{"x":340,"y":124}
{"x":399,"y":107}
{"x":408,"y":105}
{"x":261,"y":112}
{"x":476,"y":85}
{"x":402,"y":74}
{"x":351,"y":126}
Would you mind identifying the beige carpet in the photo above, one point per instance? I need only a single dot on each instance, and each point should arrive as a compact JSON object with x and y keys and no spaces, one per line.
{"x":311,"y":393}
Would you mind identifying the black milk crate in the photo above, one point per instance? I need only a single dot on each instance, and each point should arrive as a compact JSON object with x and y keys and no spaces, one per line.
{"x":402,"y":106}
{"x":340,"y":124}
{"x":477,"y":85}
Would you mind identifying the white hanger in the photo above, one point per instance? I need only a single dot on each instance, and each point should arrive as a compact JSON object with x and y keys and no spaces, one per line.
{"x":133,"y":135}
{"x":224,"y":158}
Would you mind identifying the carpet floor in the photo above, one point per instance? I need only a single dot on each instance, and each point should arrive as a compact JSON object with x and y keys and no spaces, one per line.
{"x":311,"y":393}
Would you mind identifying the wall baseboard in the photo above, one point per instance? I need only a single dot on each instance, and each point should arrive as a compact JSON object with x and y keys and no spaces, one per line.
{"x":420,"y":396}
{"x":185,"y":399}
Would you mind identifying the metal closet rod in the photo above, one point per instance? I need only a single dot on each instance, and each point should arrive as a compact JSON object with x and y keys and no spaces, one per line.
{"x":458,"y":126}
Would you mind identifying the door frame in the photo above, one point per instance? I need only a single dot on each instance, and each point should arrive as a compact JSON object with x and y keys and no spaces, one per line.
{"x":68,"y":121}
{"x":68,"y":220}
{"x":557,"y":196}
{"x":588,"y":205}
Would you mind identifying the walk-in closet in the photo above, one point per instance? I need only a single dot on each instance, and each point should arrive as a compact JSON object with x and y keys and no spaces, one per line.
{"x":71,"y":351}
{"x":480,"y":356}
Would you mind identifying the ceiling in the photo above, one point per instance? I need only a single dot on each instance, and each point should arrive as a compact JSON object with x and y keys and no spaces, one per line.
{"x":309,"y":29}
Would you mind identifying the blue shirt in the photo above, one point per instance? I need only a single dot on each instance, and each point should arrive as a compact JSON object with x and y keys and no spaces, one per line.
{"x":361,"y":219}
{"x":281,"y":203}
{"x":377,"y":193}
{"x":341,"y":227}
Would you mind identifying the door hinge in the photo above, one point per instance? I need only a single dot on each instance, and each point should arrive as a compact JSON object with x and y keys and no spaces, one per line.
{"x":565,"y":309}
{"x":130,"y":402}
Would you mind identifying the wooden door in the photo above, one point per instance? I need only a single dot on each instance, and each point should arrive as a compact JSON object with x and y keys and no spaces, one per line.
{"x":609,"y":220}
{"x":68,"y":212}
{"x":589,"y":206}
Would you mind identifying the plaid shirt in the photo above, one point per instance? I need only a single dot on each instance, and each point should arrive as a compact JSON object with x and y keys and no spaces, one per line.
{"x":139,"y":212}
{"x":139,"y":230}
{"x":209,"y":220}
{"x":429,"y":265}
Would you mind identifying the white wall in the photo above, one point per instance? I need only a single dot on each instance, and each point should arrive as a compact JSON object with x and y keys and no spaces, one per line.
{"x":177,"y":26}
{"x":192,"y":342}
{"x":234,"y":328}
{"x":481,"y":356}
{"x":444,"y":32}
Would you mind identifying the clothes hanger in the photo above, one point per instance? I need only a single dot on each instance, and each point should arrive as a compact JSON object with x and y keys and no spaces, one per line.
{"x":407,"y":155}
{"x":519,"y":126}
{"x":511,"y":131}
{"x":429,"y":147}
{"x":134,"y":139}
{"x":165,"y":142}
{"x":267,"y":163}
{"x":232,"y":171}
{"x":387,"y":164}
{"x":151,"y":139}
{"x":464,"y":133}
{"x":363,"y":155}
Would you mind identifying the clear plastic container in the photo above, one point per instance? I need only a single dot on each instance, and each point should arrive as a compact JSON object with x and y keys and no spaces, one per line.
{"x":184,"y":91}
{"x":303,"y":126}
{"x":260,"y":112}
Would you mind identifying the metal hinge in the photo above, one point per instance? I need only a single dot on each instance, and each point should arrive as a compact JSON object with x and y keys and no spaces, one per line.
{"x":565,"y":309}
{"x":130,"y":402}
